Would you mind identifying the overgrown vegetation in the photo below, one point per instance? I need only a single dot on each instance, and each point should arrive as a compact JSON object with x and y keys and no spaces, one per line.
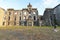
{"x":29,"y":33}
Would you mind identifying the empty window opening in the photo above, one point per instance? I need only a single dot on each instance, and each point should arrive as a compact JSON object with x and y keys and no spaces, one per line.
{"x":3,"y":23}
{"x":9,"y":13}
{"x":9,"y":18}
{"x":34,"y":18}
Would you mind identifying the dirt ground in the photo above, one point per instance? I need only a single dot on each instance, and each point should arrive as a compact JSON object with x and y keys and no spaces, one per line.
{"x":30,"y":34}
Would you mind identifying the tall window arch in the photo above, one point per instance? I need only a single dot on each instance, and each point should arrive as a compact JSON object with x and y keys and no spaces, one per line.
{"x":9,"y":18}
{"x":9,"y":13}
{"x":30,"y":16}
{"x":24,"y":17}
{"x":3,"y":23}
{"x":8,"y":23}
{"x":34,"y":13}
{"x":15,"y":18}
{"x":20,"y":18}
{"x":14,"y":23}
{"x":25,"y":13}
{"x":34,"y":17}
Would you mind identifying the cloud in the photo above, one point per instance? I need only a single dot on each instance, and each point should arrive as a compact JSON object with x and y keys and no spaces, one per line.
{"x":1,"y":0}
{"x":46,"y":4}
{"x":39,"y":4}
{"x":50,"y":3}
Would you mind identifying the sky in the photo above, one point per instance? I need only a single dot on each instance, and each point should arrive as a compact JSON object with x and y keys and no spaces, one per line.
{"x":41,"y":5}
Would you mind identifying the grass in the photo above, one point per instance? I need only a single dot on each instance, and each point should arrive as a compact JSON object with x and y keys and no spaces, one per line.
{"x":21,"y":27}
{"x":29,"y":33}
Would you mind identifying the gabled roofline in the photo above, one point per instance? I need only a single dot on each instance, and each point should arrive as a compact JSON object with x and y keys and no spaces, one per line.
{"x":56,"y":6}
{"x":2,"y":8}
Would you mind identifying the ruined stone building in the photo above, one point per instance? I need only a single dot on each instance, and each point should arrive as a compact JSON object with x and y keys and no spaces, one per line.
{"x":25,"y":17}
{"x":29,"y":17}
{"x":51,"y":16}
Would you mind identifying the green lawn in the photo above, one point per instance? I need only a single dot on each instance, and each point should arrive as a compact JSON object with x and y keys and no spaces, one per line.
{"x":29,"y":33}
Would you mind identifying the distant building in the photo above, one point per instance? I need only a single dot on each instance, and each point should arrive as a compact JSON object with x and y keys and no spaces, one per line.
{"x":25,"y":17}
{"x":29,"y":17}
{"x":2,"y":17}
{"x":57,"y":14}
{"x":40,"y":20}
{"x":51,"y":16}
{"x":48,"y":17}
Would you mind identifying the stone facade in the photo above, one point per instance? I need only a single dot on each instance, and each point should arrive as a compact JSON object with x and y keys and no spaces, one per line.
{"x":25,"y":17}
{"x":40,"y":20}
{"x":2,"y":17}
{"x":51,"y":16}
{"x":48,"y":17}
{"x":29,"y":17}
{"x":57,"y":14}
